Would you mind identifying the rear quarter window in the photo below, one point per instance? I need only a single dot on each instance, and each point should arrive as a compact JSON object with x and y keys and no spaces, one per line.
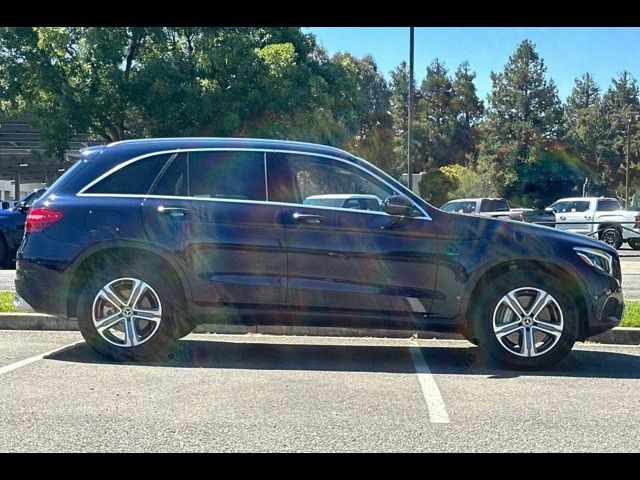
{"x":133,"y":179}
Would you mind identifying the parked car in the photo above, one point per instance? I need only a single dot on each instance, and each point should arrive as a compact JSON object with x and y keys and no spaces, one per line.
{"x":359,"y":202}
{"x":489,"y":207}
{"x":601,"y":217}
{"x":532,"y":215}
{"x":12,"y":223}
{"x":143,"y":239}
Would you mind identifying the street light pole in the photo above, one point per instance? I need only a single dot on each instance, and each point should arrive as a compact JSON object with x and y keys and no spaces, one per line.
{"x":409,"y":175}
{"x":626,"y":187}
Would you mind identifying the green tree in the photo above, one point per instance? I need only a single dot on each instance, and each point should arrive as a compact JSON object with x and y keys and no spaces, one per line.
{"x":587,"y":132}
{"x":524,"y":105}
{"x":524,"y":116}
{"x":435,"y":118}
{"x":436,"y":186}
{"x":469,"y":110}
{"x":621,"y":106}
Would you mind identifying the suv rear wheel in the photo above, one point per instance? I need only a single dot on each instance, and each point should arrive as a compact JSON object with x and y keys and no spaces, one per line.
{"x":526,"y":321}
{"x":126,"y":312}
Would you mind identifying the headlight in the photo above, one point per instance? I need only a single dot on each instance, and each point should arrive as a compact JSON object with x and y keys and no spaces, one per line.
{"x":596,"y":258}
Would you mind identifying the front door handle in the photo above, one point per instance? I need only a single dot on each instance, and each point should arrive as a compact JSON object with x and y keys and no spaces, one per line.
{"x":563,"y":218}
{"x":173,"y":211}
{"x":308,"y":218}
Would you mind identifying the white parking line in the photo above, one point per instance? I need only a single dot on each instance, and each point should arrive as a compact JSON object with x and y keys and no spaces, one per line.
{"x":430,"y":390}
{"x":27,"y":361}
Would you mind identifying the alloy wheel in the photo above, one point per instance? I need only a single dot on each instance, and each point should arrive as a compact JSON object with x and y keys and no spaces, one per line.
{"x":126,"y":312}
{"x":528,"y":322}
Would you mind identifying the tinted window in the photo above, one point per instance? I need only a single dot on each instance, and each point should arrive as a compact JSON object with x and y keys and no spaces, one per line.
{"x":324,"y":202}
{"x":173,"y":182}
{"x":450,"y":206}
{"x":609,"y":205}
{"x":497,"y":205}
{"x":227,"y":174}
{"x":135,"y":178}
{"x":322,"y":178}
{"x":560,"y":207}
{"x":580,"y":206}
{"x":466,"y":207}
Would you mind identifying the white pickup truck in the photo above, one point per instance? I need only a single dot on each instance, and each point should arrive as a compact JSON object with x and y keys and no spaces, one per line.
{"x":609,"y":223}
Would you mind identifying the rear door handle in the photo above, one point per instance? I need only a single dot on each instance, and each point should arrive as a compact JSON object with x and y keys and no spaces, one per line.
{"x":308,"y":218}
{"x":563,"y":218}
{"x":173,"y":211}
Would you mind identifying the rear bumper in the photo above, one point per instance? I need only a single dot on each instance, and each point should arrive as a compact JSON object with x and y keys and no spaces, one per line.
{"x":42,"y":286}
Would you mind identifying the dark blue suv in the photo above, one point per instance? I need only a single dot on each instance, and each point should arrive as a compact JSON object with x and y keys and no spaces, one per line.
{"x":141,"y":240}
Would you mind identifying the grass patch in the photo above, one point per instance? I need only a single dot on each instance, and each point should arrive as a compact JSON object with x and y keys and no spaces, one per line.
{"x":631,"y":314}
{"x":6,"y":302}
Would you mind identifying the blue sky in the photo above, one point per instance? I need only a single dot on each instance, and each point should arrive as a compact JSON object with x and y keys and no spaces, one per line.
{"x":568,"y":52}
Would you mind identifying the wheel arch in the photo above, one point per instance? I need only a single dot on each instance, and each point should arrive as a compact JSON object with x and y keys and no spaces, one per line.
{"x":576,"y":288}
{"x":94,"y":258}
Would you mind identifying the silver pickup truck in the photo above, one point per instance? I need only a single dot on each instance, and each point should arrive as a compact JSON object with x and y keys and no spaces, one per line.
{"x":600,"y":217}
{"x":498,"y":208}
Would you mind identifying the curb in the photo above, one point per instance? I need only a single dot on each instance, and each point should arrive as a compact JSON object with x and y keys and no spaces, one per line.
{"x":38,"y":321}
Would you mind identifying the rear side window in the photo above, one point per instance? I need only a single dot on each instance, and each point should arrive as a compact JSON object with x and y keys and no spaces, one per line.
{"x":227,"y":174}
{"x":133,"y":179}
{"x":216,"y":174}
{"x":609,"y":205}
{"x":497,"y":205}
{"x":173,"y":181}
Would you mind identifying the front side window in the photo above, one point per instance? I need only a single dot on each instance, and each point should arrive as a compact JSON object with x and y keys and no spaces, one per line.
{"x":560,"y":207}
{"x":580,"y":206}
{"x":320,"y":181}
{"x":133,"y":179}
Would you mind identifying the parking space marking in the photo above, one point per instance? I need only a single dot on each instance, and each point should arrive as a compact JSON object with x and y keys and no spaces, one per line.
{"x":430,"y":391}
{"x":35,"y":358}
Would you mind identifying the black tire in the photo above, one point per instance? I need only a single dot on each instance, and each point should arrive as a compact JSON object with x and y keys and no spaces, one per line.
{"x":634,"y":243}
{"x":611,"y":236}
{"x":160,"y":341}
{"x":488,"y":303}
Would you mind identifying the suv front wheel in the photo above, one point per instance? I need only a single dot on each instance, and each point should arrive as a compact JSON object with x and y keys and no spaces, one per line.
{"x":128,"y":313}
{"x":526,"y":320}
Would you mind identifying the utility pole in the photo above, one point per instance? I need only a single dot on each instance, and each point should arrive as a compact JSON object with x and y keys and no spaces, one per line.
{"x":626,"y":186}
{"x":409,"y":173}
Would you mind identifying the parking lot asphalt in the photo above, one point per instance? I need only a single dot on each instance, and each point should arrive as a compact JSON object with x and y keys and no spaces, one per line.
{"x":277,"y":393}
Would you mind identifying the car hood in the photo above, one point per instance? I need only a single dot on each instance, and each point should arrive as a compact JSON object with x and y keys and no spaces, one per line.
{"x":473,"y":227}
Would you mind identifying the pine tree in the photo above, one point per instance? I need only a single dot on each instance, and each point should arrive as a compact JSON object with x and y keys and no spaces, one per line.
{"x":524,"y":105}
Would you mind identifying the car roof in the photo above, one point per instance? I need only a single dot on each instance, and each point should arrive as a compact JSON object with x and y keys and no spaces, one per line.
{"x":148,"y":145}
{"x":575,"y":199}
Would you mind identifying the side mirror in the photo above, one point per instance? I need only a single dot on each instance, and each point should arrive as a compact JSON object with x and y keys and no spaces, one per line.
{"x":398,"y":205}
{"x":548,"y":209}
{"x":22,"y":208}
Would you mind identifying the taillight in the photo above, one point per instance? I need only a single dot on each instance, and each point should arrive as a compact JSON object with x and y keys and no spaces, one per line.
{"x":637,"y":225}
{"x":40,"y":218}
